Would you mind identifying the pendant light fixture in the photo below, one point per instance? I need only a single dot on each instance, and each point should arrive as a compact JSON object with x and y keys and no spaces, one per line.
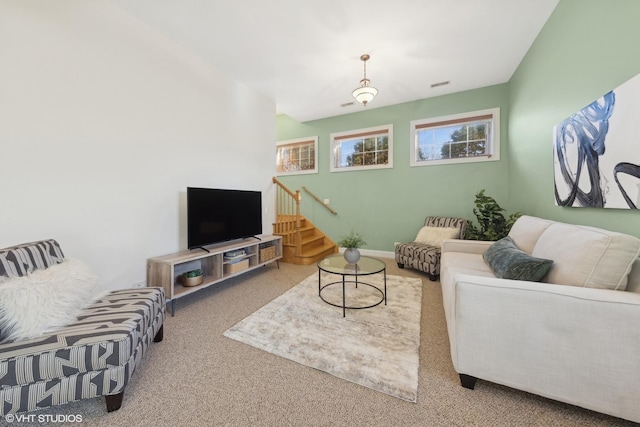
{"x":365,"y":93}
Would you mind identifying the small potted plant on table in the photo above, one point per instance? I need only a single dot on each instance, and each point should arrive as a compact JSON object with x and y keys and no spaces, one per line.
{"x":192,"y":278}
{"x":351,"y":243}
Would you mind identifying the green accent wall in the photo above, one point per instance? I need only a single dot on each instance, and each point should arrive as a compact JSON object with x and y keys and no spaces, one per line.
{"x":587,"y":48}
{"x":389,"y":205}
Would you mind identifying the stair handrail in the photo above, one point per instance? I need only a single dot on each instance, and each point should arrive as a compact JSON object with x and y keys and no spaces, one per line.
{"x":285,"y":211}
{"x":319,"y":200}
{"x":294,"y":194}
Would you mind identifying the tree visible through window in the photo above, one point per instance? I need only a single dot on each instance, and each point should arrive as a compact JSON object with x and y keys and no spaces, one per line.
{"x":362,"y":149}
{"x":297,"y":156}
{"x":465,"y":137}
{"x":369,"y":151}
{"x":468,"y":141}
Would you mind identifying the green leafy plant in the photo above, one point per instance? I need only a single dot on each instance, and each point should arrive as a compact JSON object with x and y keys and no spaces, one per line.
{"x":352,"y":240}
{"x":492,"y":224}
{"x":193,"y":273}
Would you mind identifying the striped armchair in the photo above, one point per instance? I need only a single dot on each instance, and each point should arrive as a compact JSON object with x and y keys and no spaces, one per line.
{"x":426,"y":256}
{"x":95,"y":355}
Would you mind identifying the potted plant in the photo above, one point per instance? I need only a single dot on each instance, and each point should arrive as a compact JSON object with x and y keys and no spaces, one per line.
{"x":492,"y":224}
{"x":192,"y":278}
{"x":351,"y":243}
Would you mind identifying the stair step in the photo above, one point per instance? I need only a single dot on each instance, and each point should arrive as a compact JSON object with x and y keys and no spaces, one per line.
{"x":315,"y":245}
{"x":315,"y":251}
{"x":312,"y":241}
{"x":311,"y":256}
{"x":302,"y":230}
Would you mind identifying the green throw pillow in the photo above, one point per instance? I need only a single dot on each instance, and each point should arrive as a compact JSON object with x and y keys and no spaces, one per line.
{"x":509,"y":262}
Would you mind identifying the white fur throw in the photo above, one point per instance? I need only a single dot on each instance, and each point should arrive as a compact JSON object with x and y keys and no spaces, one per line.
{"x":45,"y":300}
{"x":435,"y":235}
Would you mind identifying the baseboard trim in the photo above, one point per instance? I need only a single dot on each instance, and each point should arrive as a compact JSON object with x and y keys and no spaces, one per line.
{"x":377,"y":254}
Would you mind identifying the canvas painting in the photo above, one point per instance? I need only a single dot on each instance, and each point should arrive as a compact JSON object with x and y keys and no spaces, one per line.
{"x":597,"y":152}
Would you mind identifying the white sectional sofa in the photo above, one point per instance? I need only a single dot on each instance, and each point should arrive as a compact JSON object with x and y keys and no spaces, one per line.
{"x":573,"y":337}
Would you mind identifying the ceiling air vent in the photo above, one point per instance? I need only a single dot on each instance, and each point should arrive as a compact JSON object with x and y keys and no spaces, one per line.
{"x":440,"y":84}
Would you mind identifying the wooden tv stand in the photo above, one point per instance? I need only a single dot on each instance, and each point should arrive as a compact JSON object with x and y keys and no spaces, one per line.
{"x":166,"y":271}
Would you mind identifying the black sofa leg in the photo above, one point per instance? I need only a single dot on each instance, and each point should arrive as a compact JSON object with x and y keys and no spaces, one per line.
{"x":160,"y":335}
{"x":400,"y":265}
{"x":114,"y":401}
{"x":433,"y":277}
{"x":467,"y":381}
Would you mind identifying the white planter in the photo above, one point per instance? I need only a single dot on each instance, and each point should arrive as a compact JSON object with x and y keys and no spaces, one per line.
{"x":352,"y":255}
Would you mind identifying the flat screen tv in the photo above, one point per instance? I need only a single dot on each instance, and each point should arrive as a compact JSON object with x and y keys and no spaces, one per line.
{"x":217,"y":215}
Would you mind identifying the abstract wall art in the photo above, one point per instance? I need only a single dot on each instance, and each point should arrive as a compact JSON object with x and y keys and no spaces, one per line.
{"x":596,"y":152}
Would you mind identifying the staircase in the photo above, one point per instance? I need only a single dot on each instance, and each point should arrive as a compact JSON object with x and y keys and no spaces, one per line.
{"x":302,"y":242}
{"x":314,"y":244}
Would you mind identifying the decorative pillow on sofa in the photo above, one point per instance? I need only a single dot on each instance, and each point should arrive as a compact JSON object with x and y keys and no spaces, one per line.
{"x":509,"y":262}
{"x":45,"y":300}
{"x":435,"y":235}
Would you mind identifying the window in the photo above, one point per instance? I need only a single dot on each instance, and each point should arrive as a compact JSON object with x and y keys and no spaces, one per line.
{"x":370,"y":148}
{"x":297,"y":156}
{"x":460,"y":138}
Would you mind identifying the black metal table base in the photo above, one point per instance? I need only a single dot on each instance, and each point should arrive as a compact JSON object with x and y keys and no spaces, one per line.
{"x":344,"y":306}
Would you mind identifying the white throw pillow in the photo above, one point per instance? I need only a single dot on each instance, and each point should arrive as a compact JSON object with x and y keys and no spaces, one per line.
{"x":45,"y":300}
{"x":587,"y":256}
{"x":435,"y":235}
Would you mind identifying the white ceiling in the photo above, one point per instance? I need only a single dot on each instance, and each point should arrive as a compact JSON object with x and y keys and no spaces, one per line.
{"x":305,"y":54}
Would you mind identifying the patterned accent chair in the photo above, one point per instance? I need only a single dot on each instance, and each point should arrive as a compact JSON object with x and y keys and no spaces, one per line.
{"x":426,"y":257}
{"x":94,"y":356}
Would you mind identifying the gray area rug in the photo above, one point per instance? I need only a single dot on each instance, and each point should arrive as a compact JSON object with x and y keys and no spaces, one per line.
{"x":376,"y":347}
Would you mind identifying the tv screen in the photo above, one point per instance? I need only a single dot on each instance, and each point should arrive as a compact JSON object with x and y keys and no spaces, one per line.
{"x":216,"y":215}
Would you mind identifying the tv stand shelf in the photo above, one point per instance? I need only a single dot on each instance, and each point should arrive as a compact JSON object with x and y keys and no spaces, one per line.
{"x":167,"y":270}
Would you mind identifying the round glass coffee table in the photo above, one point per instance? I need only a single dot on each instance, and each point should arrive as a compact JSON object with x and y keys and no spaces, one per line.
{"x":336,"y":264}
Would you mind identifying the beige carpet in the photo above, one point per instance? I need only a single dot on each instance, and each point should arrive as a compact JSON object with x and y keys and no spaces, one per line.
{"x":199,"y":377}
{"x":375,"y":347}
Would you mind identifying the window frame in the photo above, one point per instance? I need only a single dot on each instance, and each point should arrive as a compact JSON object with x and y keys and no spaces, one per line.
{"x":300,"y":142}
{"x":336,"y":137}
{"x":493,"y":142}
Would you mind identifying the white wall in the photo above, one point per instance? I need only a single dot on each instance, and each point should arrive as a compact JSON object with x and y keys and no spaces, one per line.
{"x":103,"y":125}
